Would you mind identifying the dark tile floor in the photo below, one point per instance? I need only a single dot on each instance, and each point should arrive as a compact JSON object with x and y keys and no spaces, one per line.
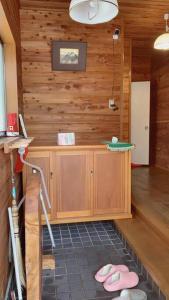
{"x":81,"y":249}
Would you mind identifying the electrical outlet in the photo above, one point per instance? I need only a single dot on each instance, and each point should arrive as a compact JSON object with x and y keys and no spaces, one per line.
{"x":111,"y":103}
{"x":166,"y":17}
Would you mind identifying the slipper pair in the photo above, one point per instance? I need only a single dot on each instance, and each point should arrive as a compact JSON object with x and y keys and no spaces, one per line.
{"x":134,"y":294}
{"x":116,"y":277}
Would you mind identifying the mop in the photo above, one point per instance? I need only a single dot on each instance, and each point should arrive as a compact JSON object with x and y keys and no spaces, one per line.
{"x":15,"y":260}
{"x":15,"y":217}
{"x":9,"y":283}
{"x":15,"y":255}
{"x":13,"y":297}
{"x":21,"y":152}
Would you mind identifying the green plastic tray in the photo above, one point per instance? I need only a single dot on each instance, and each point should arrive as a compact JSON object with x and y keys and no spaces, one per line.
{"x":120,"y":146}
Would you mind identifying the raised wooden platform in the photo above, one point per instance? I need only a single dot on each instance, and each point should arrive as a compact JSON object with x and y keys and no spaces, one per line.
{"x":148,"y":232}
{"x":150,"y":198}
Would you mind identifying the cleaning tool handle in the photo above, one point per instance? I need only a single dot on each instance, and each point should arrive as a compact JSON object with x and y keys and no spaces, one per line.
{"x":21,"y":152}
{"x":18,"y":283}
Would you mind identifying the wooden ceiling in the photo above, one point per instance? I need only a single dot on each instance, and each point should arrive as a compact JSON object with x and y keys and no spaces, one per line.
{"x":143,"y":18}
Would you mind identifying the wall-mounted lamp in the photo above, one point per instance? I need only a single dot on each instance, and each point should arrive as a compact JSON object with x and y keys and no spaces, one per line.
{"x":162,"y":42}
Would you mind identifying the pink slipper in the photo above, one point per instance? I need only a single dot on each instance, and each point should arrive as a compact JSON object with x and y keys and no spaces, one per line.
{"x":121,"y":280}
{"x":109,"y":270}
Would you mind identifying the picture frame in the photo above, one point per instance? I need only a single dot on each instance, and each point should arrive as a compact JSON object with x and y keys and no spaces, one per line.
{"x":69,"y":56}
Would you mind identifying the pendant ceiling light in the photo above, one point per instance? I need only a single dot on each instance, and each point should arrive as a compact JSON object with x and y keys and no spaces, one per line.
{"x":162,"y":42}
{"x":93,"y":11}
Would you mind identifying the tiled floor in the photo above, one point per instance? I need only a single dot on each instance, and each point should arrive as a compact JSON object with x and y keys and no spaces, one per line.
{"x":81,"y":249}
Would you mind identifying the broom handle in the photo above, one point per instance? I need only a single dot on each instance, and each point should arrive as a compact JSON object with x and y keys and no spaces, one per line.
{"x":47,"y":220}
{"x":21,"y":152}
{"x":9,"y":283}
{"x":13,"y":177}
{"x":14,"y":204}
{"x":15,"y":216}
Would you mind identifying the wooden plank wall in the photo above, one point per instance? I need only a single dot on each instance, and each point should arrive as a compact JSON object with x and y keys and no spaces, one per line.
{"x":125,"y":115}
{"x":159,"y":139}
{"x":70,"y":101}
{"x":143,"y":18}
{"x":153,"y":65}
{"x":141,"y":59}
{"x":11,"y":9}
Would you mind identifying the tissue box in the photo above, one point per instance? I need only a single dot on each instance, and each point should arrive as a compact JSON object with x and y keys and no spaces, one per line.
{"x":66,"y":139}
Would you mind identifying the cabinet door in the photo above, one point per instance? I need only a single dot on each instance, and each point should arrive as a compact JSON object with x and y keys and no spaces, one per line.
{"x":109,"y":182}
{"x":42,"y":160}
{"x":72,"y":184}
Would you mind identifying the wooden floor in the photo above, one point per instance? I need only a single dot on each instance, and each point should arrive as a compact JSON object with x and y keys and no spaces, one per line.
{"x":148,"y":231}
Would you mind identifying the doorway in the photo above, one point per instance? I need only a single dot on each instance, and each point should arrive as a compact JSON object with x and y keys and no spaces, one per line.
{"x":140,"y":121}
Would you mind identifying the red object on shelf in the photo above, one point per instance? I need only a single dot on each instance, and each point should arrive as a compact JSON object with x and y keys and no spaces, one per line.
{"x":19,"y":164}
{"x":12,"y":124}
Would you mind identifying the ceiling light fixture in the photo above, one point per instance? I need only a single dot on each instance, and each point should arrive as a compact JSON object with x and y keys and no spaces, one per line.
{"x":93,"y":11}
{"x":162,"y":42}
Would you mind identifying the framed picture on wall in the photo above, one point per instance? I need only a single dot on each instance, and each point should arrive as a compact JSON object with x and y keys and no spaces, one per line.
{"x":69,"y":56}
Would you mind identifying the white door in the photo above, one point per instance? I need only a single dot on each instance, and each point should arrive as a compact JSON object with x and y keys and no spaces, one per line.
{"x":140,"y":121}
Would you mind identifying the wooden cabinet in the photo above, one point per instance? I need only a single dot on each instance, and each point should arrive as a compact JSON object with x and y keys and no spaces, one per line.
{"x":72,"y":184}
{"x":41,"y":159}
{"x":85,"y":184}
{"x":109,"y":183}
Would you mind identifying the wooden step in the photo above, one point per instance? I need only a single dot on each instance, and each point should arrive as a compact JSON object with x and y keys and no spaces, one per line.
{"x":152,"y":218}
{"x":150,"y":198}
{"x":152,"y":250}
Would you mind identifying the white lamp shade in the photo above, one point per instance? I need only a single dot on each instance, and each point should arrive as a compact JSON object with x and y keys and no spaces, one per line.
{"x":162,"y":42}
{"x":93,"y":11}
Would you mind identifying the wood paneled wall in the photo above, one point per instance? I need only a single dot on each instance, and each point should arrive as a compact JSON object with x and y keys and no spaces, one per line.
{"x":71,"y":101}
{"x":153,"y":65}
{"x":160,"y":110}
{"x":125,"y":114}
{"x":141,"y":59}
{"x":11,"y":9}
{"x":143,"y":18}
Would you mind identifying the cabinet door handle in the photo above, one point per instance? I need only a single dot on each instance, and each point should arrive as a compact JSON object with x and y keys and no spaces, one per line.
{"x":34,"y":171}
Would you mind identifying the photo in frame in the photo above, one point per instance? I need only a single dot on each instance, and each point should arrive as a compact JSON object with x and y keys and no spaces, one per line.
{"x":69,"y":56}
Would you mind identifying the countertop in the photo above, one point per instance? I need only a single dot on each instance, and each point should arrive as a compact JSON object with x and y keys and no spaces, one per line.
{"x":36,"y":146}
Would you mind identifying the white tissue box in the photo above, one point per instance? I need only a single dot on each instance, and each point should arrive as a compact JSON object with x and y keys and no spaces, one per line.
{"x":66,"y":139}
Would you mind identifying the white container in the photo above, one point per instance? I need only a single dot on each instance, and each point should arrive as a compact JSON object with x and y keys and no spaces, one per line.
{"x":66,"y":139}
{"x":114,"y":140}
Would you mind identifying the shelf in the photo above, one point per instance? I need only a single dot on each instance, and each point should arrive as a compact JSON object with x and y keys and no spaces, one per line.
{"x":10,"y":143}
